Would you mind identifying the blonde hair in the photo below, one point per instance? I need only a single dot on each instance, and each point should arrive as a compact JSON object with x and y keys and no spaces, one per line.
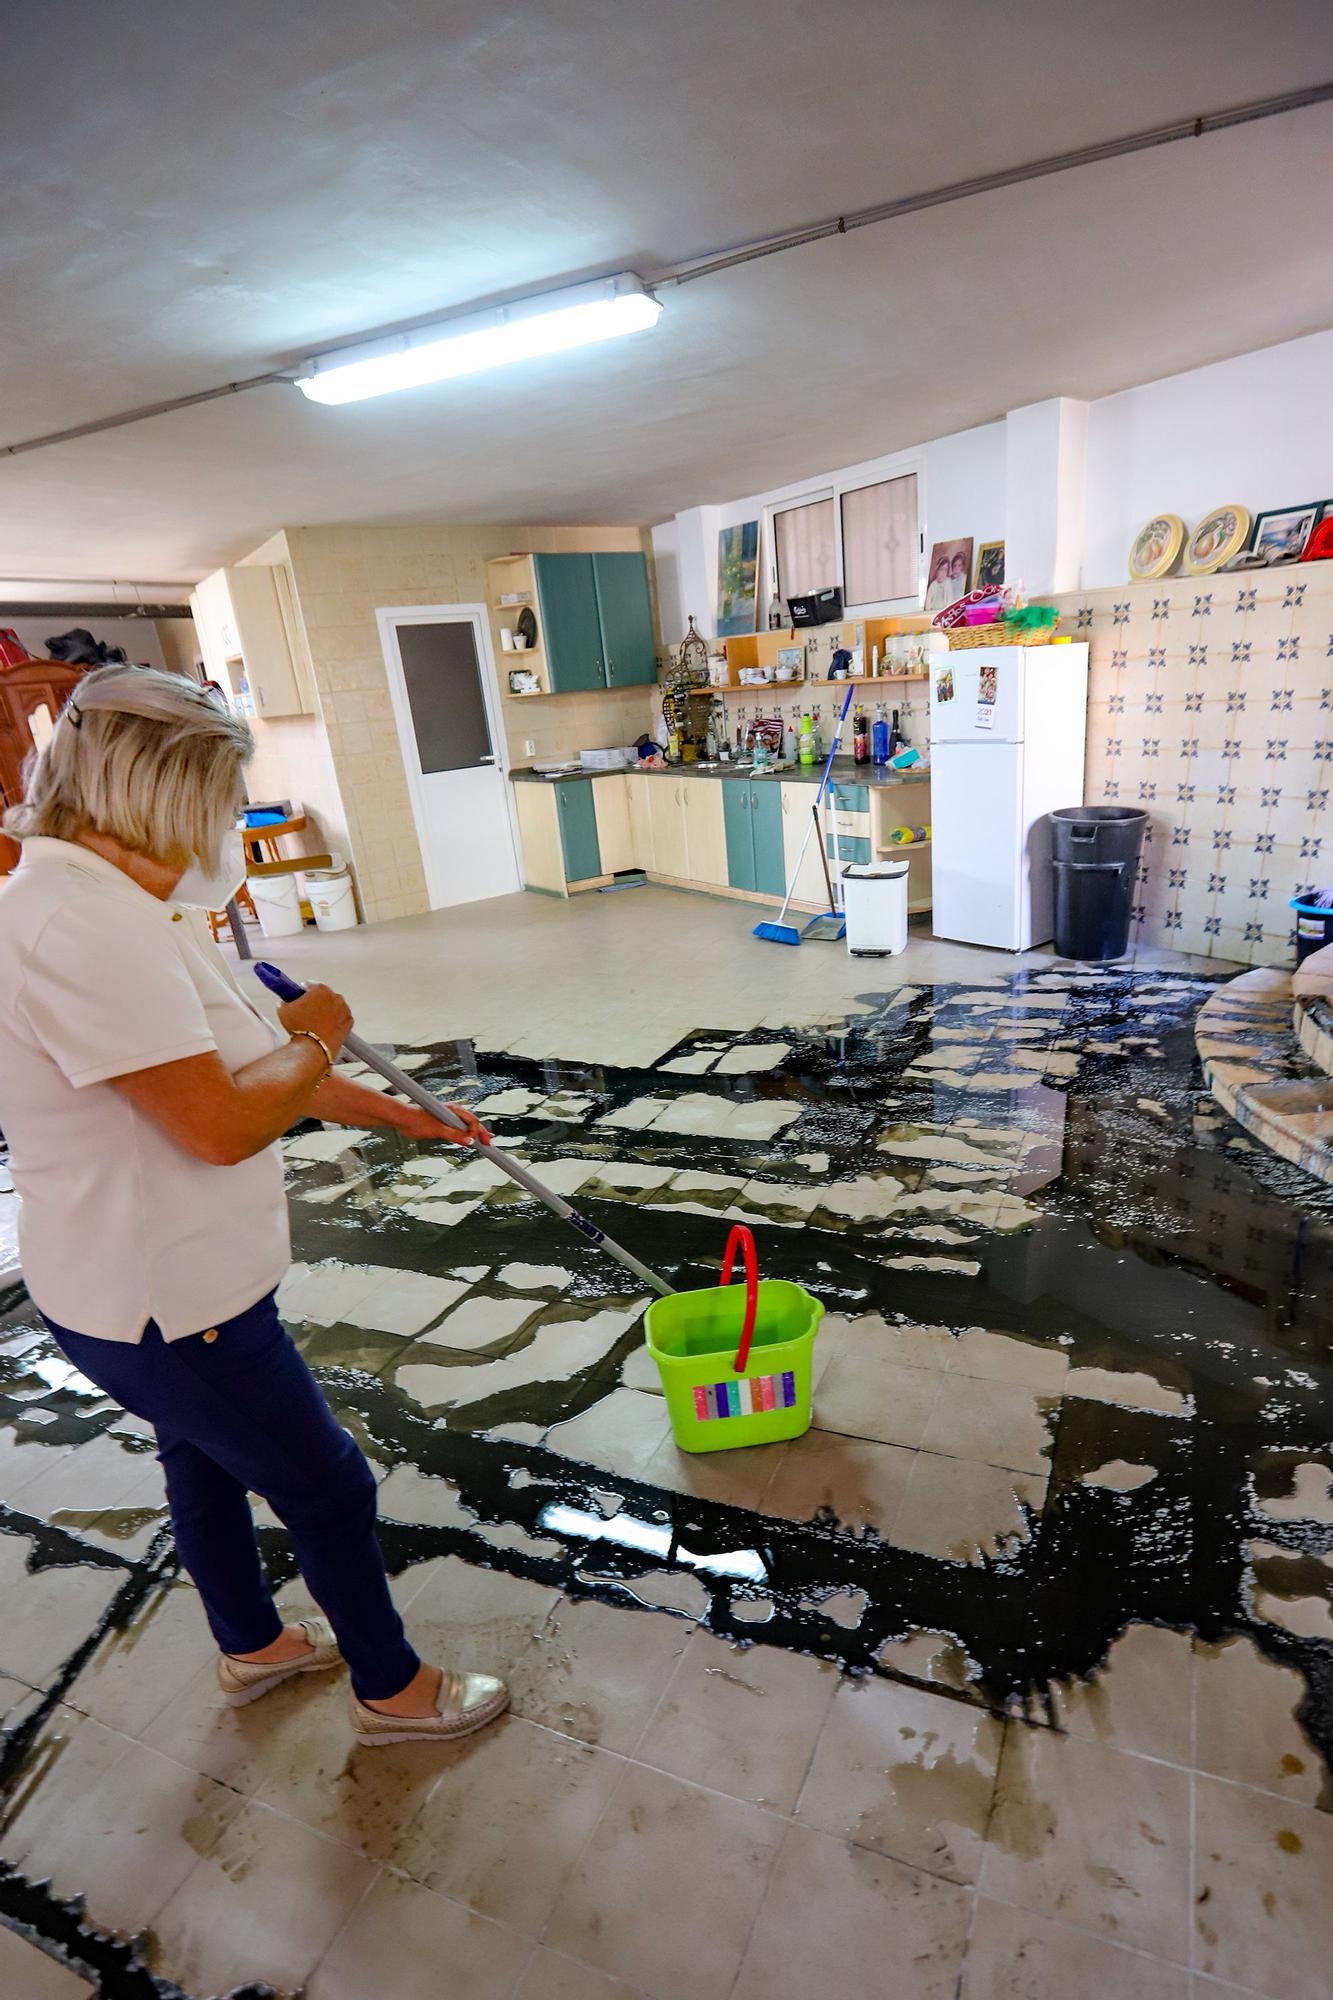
{"x":152,"y":759}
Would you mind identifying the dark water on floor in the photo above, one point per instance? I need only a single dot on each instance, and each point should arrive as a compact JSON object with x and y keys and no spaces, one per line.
{"x":1163,"y":1244}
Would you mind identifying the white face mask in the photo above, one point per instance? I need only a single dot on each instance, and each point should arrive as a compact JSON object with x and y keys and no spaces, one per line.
{"x":213,"y":888}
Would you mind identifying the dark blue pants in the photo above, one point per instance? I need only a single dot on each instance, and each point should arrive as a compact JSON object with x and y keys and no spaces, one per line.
{"x":243,"y":1414}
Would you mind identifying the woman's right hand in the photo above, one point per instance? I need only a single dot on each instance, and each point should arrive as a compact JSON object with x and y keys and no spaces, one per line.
{"x":322,"y":1011}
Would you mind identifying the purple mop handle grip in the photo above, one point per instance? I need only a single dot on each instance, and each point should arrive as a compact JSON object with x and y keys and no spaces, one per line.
{"x":277,"y":981}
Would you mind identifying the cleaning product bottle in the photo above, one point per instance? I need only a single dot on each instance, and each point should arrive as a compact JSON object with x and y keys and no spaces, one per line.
{"x":805,"y":748}
{"x":790,"y":749}
{"x":880,"y":737}
{"x":860,"y":737}
{"x":907,"y":836}
{"x":817,"y":732}
{"x":710,"y":740}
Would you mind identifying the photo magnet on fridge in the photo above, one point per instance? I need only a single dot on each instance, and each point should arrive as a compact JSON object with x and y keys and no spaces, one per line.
{"x":944,"y":685}
{"x":986,"y":685}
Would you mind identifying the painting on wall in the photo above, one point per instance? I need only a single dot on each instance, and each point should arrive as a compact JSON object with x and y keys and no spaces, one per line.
{"x":990,"y":566}
{"x":950,"y":564}
{"x":737,"y":578}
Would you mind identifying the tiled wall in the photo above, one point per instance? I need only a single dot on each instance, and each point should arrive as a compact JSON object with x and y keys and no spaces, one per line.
{"x":342,"y":576}
{"x":1211,"y":705}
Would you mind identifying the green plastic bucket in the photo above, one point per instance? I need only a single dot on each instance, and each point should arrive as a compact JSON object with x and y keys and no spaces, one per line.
{"x":696,"y":1337}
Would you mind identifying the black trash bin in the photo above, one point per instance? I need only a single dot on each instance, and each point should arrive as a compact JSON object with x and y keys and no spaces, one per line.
{"x":1096,"y":858}
{"x":1314,"y":921}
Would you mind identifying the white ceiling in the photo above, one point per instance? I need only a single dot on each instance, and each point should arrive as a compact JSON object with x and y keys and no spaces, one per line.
{"x":196,"y":193}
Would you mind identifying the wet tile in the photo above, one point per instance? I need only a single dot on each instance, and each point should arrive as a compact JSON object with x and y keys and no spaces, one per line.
{"x":237,"y":1746}
{"x":993,"y":1423}
{"x":404,"y":1935}
{"x":22,"y":1460}
{"x":506,"y":1820}
{"x":43,"y":1617}
{"x":865,"y":1395}
{"x":1013,"y":1955}
{"x":479,"y":1322}
{"x":741,"y":1720}
{"x":141,"y":1667}
{"x":87,"y":1479}
{"x":863,"y":1484}
{"x":998,"y":1357}
{"x":1139,"y":1700}
{"x":839,"y":1919}
{"x":552,"y":1976}
{"x":908,"y":1345}
{"x":480,"y":1620}
{"x":959,"y":1509}
{"x":667,"y":1892}
{"x":265,"y":1904}
{"x":136,"y":1833}
{"x":1127,"y":1390}
{"x":595,"y":1672}
{"x":535,"y":1277}
{"x":1271,"y":1751}
{"x":619,"y":1434}
{"x":408,"y":1495}
{"x":28,"y":1974}
{"x":908,"y":1773}
{"x":1092,"y":1837}
{"x":1262,"y":1872}
{"x":70,"y":1755}
{"x":737,"y":1478}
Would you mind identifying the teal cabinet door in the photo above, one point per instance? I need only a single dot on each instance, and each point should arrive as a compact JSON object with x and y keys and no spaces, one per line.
{"x":578,"y":829}
{"x":737,"y":818}
{"x":770,"y":870}
{"x":627,"y":619}
{"x":570,"y":628}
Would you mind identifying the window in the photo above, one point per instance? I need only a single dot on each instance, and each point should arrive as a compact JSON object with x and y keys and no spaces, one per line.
{"x":879,"y":541}
{"x":807,"y":558}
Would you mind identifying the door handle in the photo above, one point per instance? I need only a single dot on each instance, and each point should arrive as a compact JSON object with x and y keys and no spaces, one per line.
{"x":487,"y":760}
{"x":610,"y":670}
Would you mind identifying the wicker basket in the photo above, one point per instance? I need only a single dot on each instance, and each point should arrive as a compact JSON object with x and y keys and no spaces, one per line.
{"x":1001,"y":633}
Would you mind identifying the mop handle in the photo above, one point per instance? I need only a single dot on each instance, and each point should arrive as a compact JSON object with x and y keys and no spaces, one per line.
{"x":285,"y":988}
{"x":828,"y":763}
{"x":833,"y":747}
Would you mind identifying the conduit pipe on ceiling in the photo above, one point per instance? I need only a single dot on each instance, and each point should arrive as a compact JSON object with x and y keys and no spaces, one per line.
{"x":772,"y":246}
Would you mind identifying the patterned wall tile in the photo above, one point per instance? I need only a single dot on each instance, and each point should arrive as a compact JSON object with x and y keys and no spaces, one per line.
{"x":1211,"y":704}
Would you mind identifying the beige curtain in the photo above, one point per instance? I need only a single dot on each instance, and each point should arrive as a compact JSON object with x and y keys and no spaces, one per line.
{"x":879,"y":541}
{"x":807,"y":558}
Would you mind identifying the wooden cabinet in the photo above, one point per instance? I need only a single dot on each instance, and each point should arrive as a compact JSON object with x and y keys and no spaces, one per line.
{"x":539,"y":834}
{"x":705,"y":831}
{"x":667,"y":808}
{"x":594,"y":621}
{"x":810,"y":888}
{"x":752,"y":814}
{"x":578,"y":830}
{"x":615,"y":835}
{"x":638,"y":791}
{"x":246,"y":619}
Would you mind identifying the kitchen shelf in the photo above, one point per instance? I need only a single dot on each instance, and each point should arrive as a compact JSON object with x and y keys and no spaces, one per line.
{"x":895,"y":848}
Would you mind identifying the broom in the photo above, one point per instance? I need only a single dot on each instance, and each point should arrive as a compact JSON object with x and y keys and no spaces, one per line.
{"x":779,"y":931}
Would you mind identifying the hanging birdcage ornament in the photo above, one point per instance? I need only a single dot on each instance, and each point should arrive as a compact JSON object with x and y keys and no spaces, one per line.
{"x":692,"y":657}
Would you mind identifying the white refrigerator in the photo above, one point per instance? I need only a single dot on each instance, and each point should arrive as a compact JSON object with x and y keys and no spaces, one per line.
{"x":1007,"y":729}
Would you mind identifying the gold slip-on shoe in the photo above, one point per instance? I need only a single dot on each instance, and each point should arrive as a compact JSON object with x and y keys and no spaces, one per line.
{"x":467,"y":1702}
{"x":245,"y":1680}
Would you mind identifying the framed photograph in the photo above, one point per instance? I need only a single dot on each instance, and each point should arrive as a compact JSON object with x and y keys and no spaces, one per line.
{"x":1280,"y":535}
{"x":946,"y":577}
{"x":1156,"y":548}
{"x":990,"y":566}
{"x":1220,"y":535}
{"x":737,"y":578}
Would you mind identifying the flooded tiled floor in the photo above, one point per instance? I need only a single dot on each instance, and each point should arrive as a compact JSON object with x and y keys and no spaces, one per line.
{"x":1012,"y":1677}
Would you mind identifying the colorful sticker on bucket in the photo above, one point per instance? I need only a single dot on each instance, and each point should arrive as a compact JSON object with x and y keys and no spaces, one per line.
{"x":747,"y":1398}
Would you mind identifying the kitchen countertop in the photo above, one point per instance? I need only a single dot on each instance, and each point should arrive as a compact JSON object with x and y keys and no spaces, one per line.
{"x":846,"y":771}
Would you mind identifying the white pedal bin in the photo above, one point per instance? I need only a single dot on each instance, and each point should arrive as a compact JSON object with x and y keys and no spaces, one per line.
{"x":874,"y":897}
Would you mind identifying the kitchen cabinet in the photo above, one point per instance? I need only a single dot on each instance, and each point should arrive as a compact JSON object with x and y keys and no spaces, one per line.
{"x":539,"y":837}
{"x":615,"y":836}
{"x":810,"y":885}
{"x":595,"y":623}
{"x":246,"y":622}
{"x":638,"y":790}
{"x":752,"y":815}
{"x":667,"y":808}
{"x":578,"y":830}
{"x":705,"y":831}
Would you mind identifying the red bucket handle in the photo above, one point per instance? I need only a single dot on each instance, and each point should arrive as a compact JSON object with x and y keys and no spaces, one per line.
{"x":740,"y":1234}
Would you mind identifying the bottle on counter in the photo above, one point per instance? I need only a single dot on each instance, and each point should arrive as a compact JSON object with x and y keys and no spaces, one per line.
{"x":790,"y":738}
{"x":817,"y":734}
{"x":880,"y":737}
{"x":895,"y":736}
{"x":860,"y":737}
{"x":805,"y":746}
{"x":710,"y":740}
{"x":776,"y":621}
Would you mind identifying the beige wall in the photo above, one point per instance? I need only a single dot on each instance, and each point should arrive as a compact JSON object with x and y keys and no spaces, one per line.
{"x":342,"y":576}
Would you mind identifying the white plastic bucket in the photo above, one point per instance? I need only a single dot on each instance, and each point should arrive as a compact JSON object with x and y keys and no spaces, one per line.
{"x":277,"y":903}
{"x":330,"y":895}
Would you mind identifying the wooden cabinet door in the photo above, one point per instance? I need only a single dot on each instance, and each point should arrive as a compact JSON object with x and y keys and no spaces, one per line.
{"x":639,"y":789}
{"x":539,"y":835}
{"x":796,"y":803}
{"x":737,"y":820}
{"x":705,"y":831}
{"x":261,"y":640}
{"x":615,"y":840}
{"x":570,"y":629}
{"x":667,"y":806}
{"x":578,"y":829}
{"x":625,"y":610}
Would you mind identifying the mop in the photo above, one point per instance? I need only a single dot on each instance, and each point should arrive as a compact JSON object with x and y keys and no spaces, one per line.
{"x":780,"y":931}
{"x":291,"y":989}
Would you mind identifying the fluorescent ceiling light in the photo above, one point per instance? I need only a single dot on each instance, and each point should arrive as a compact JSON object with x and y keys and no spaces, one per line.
{"x":574,"y":317}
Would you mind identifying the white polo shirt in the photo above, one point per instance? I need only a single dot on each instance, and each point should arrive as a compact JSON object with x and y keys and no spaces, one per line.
{"x":118,"y":1224}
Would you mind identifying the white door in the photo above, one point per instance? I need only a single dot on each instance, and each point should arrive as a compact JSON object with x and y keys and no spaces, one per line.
{"x":447,"y":706}
{"x":977,"y":882}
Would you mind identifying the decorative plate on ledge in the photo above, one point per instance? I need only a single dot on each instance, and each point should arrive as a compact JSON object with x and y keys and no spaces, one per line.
{"x":1219,"y":536}
{"x":1156,"y":548}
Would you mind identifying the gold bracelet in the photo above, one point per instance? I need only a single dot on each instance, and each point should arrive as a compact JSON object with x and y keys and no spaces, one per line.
{"x":320,"y":1044}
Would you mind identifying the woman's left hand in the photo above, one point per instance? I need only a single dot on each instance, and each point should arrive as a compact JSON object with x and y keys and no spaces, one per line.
{"x":417,"y":1123}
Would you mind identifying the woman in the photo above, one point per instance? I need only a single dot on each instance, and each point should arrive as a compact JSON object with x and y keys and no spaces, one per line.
{"x":143,"y":1098}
